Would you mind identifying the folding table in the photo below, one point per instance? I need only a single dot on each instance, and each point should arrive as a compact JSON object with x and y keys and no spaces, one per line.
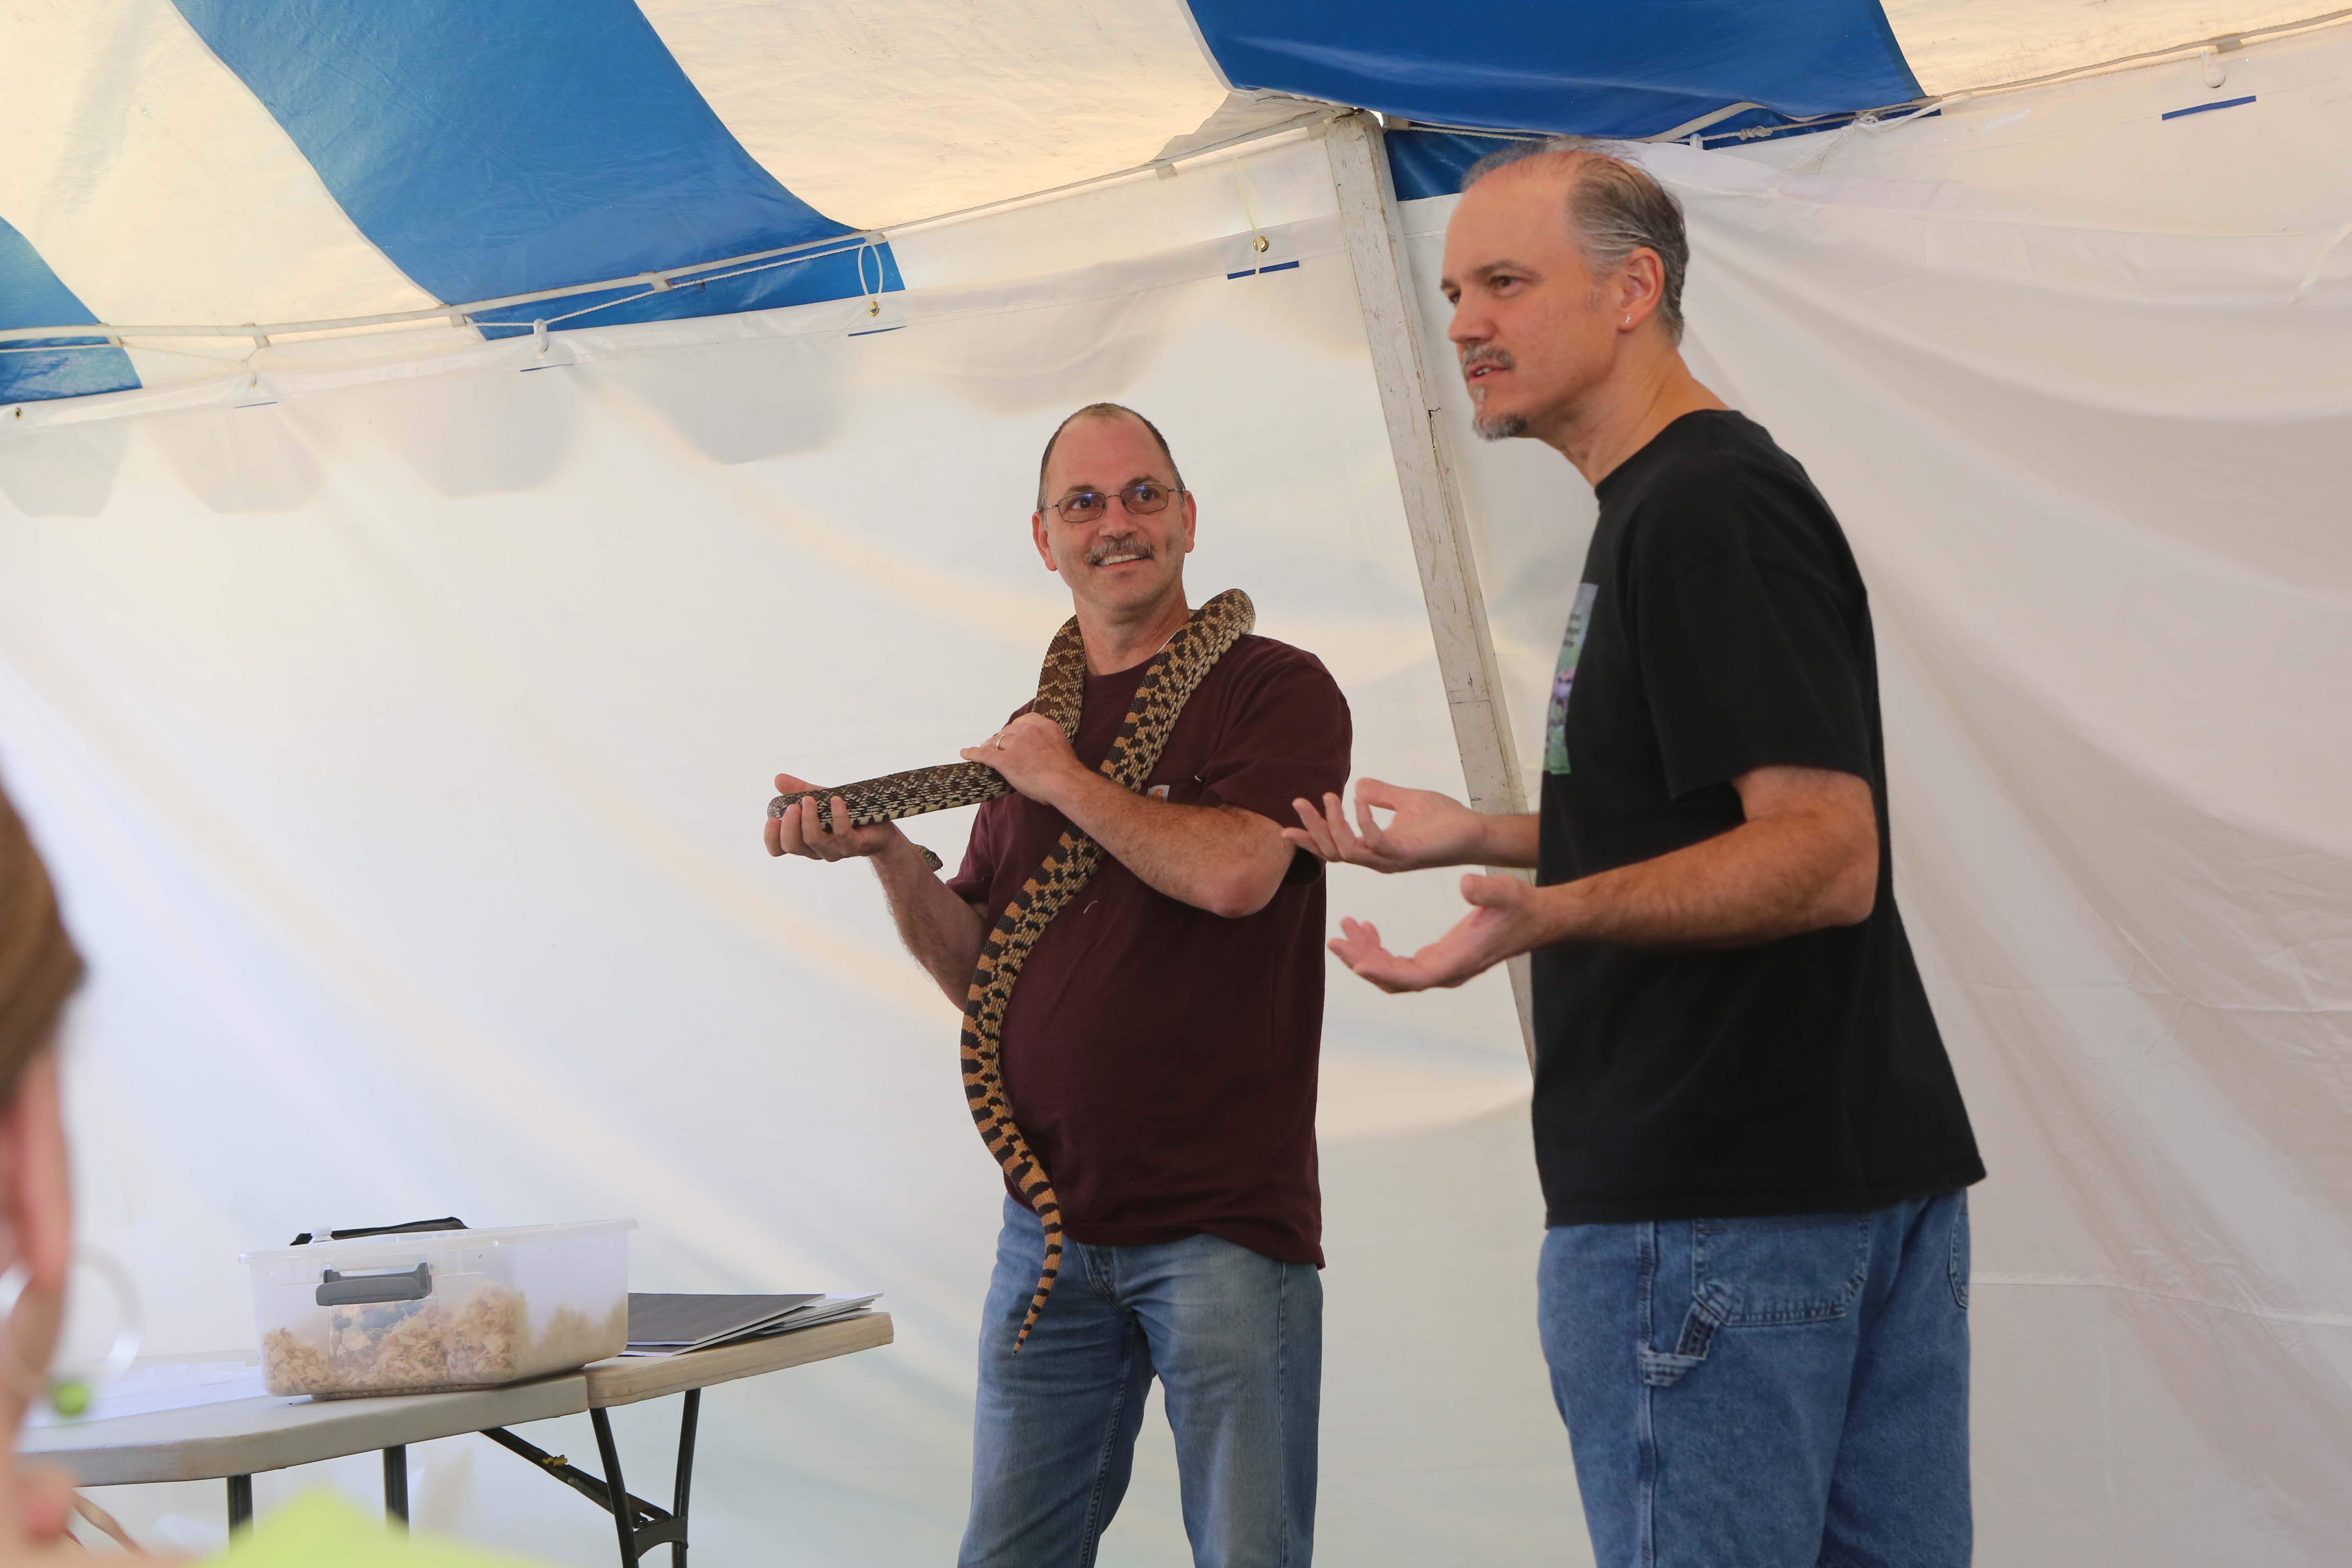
{"x":236,"y":1439}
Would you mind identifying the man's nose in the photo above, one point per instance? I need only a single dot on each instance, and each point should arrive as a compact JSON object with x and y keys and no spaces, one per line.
{"x":1465,"y":328}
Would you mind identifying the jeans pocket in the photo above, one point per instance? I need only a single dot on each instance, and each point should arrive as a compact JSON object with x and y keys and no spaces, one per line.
{"x":1778,"y":1270}
{"x":1959,"y":1263}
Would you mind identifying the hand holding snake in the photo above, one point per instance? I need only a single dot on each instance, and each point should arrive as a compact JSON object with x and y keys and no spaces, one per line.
{"x":1025,"y":754}
{"x":1032,"y":754}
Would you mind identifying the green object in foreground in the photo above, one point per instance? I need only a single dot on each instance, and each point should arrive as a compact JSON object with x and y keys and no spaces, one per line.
{"x":70,"y":1397}
{"x":321,"y":1528}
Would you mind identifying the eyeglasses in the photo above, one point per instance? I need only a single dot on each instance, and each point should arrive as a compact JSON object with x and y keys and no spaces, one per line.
{"x":1142,"y":497}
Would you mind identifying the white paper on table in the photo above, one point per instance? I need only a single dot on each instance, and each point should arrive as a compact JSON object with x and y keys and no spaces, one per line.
{"x":165,"y":1385}
{"x":808,"y":1315}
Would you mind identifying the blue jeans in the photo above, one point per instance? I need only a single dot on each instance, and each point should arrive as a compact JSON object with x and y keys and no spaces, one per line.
{"x":1236,"y":1338}
{"x":1790,"y":1392}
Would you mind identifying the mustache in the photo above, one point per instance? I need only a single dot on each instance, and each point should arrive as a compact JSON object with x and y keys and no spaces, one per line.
{"x":1499,"y":358}
{"x":1103,"y":549}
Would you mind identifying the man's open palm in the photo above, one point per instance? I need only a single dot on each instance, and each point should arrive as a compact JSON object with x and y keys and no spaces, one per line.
{"x":1425,"y":829}
{"x":1502,"y":923}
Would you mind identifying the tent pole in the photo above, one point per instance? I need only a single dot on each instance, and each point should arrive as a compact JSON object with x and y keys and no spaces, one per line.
{"x":1433,"y":505}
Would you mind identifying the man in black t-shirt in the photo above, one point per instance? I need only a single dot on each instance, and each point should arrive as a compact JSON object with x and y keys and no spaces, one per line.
{"x":1754,"y":1284}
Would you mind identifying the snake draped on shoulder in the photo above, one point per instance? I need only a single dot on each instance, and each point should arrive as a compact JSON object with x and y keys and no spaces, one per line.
{"x":1169,"y":681}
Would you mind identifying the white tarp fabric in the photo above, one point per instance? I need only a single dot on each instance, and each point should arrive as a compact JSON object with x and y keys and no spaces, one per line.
{"x":1955,"y":45}
{"x":403,"y":747}
{"x":2094,"y":477}
{"x":192,"y":164}
{"x":400,"y":737}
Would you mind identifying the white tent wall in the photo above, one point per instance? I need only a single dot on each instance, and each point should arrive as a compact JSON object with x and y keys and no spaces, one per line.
{"x":401,"y":735}
{"x":399,"y":728}
{"x":2073,"y":377}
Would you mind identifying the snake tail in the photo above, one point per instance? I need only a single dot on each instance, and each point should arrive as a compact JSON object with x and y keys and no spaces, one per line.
{"x":1166,"y":685}
{"x":1066,"y":868}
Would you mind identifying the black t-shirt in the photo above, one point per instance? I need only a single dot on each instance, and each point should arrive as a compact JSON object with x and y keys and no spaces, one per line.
{"x":1722,"y":626}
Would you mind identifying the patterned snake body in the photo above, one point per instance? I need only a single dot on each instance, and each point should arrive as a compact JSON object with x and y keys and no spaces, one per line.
{"x":1168,"y":683}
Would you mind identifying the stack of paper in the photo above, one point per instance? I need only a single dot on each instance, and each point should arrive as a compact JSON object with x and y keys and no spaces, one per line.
{"x":670,"y":1325}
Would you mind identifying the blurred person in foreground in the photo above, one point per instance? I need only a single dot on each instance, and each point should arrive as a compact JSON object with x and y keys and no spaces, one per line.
{"x":1753,"y":1290}
{"x":39,"y":969}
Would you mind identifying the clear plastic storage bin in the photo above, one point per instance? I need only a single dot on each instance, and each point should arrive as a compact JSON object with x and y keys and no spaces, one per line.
{"x":448,"y":1309}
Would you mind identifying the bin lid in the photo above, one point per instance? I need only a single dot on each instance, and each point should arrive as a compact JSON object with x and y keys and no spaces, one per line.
{"x":432,"y":1241}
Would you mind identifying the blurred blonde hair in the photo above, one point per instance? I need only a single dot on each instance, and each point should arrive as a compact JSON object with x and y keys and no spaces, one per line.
{"x":39,"y":964}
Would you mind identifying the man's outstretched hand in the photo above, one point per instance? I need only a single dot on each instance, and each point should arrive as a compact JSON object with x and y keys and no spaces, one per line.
{"x":800,"y":831}
{"x":1426,"y":829}
{"x":1506,"y":919}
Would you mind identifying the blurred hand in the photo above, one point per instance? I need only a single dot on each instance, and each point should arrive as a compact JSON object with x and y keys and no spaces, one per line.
{"x":45,"y":1494}
{"x":801,"y":832}
{"x":1503,"y":922}
{"x":1427,"y":829}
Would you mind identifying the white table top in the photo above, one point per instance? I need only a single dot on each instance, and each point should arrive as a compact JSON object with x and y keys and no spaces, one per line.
{"x":245,"y":1436}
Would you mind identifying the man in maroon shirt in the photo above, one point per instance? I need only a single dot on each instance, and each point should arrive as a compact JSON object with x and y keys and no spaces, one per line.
{"x":1160,"y":1051}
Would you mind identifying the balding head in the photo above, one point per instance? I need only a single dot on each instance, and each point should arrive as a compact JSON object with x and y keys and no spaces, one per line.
{"x":1614,"y":206}
{"x":1104,"y":411}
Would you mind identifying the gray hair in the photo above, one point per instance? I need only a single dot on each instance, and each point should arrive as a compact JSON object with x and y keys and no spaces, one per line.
{"x":1615,"y":208}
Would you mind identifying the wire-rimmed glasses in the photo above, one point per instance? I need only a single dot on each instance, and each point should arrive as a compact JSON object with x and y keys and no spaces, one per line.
{"x":1142,"y":497}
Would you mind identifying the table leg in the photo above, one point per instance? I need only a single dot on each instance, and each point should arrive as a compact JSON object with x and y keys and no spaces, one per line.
{"x":625,"y":1523}
{"x":686,"y":1421}
{"x":395,"y":1487}
{"x":641,"y":1526}
{"x":240,"y":1503}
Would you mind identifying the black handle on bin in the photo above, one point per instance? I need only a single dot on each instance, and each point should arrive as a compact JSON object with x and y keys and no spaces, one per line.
{"x":336,"y":1290}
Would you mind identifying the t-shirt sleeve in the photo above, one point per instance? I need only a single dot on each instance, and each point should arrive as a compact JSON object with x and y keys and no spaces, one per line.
{"x":984,"y":849}
{"x":977,"y":875}
{"x":1287,"y":734}
{"x":1745,"y":629}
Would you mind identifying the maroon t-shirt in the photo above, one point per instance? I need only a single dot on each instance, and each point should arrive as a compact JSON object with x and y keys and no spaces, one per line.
{"x":1160,"y":1059}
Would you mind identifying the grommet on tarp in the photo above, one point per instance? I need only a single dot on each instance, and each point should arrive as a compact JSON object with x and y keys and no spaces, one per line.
{"x":538,"y":335}
{"x":873,"y":295}
{"x":1259,"y":241}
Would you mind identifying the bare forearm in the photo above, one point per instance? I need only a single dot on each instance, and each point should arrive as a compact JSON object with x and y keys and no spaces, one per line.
{"x":1758,"y":883}
{"x":1510,"y":840}
{"x":940,"y":929}
{"x":1226,"y":861}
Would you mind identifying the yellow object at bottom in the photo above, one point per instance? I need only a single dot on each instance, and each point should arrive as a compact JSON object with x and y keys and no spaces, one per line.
{"x":319,"y":1528}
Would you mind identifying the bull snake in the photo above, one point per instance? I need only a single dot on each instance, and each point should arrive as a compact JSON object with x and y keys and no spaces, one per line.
{"x":1169,"y":681}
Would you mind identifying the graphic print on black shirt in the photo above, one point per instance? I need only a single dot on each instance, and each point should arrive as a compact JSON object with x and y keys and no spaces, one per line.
{"x":1722,"y":626}
{"x":1563,"y":681}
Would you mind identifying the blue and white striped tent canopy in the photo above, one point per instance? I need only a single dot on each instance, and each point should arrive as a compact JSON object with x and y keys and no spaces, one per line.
{"x":273,"y":164}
